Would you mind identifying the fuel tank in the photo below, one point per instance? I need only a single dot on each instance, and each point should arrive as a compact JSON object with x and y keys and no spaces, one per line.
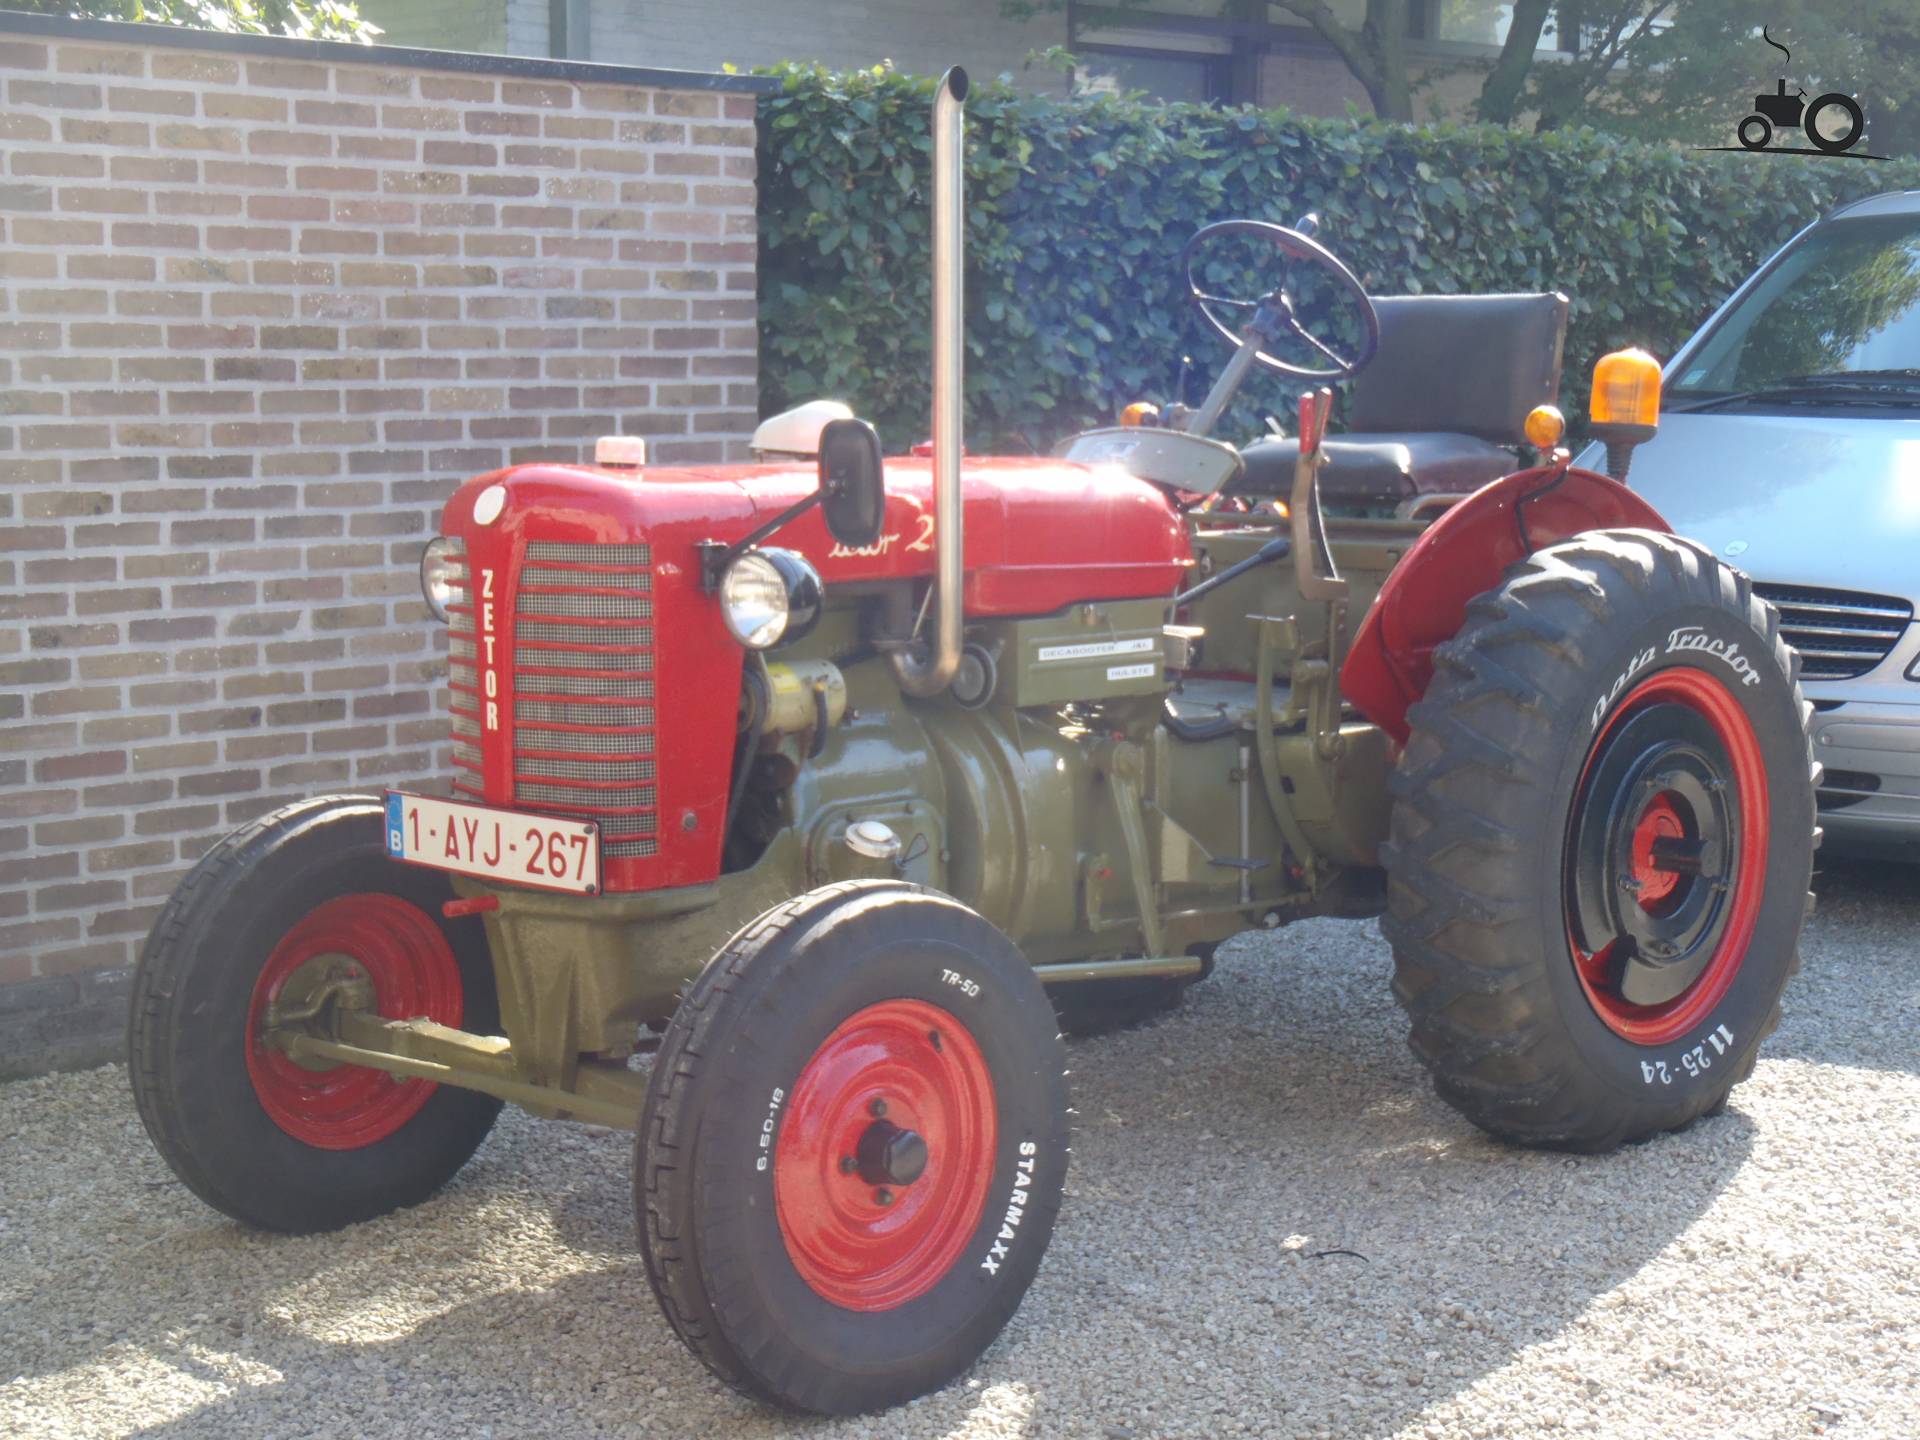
{"x":1040,"y":533}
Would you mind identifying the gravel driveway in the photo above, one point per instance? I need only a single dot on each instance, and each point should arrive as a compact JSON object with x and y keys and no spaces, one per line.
{"x":1271,"y":1228}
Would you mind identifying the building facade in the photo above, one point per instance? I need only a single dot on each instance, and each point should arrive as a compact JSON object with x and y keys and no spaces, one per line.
{"x":1176,"y":49}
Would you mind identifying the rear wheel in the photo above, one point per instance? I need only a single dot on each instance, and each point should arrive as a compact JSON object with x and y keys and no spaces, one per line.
{"x":1834,"y":122}
{"x":853,"y":1148}
{"x":299,"y":904}
{"x":1602,"y":834}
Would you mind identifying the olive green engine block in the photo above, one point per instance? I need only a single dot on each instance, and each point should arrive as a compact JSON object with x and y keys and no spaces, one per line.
{"x":1120,"y":790}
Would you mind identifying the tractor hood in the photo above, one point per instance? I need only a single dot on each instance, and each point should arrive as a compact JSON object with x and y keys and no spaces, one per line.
{"x":1040,"y":534}
{"x":1797,"y":499}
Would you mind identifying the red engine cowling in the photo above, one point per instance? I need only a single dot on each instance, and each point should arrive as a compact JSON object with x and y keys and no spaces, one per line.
{"x":593,"y":677}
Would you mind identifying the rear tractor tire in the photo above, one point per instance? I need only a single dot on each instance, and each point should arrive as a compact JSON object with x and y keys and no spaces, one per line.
{"x":1602,"y":835}
{"x":853,"y":1148}
{"x":291,"y":902}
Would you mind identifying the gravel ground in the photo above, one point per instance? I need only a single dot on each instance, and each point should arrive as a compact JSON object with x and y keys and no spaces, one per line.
{"x":1272,"y":1228}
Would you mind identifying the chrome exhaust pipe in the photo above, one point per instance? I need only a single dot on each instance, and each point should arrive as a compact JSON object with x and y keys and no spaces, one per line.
{"x":929,"y":676}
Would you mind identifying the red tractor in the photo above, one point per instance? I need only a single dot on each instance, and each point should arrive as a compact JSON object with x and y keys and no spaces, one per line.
{"x":785,"y":797}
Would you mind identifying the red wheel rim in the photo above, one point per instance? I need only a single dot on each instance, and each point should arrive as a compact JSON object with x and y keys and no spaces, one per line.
{"x":405,"y":955}
{"x":1657,"y":889}
{"x":912,"y":1066}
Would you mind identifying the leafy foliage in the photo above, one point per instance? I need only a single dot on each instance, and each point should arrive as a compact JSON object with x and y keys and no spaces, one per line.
{"x":1078,"y":208}
{"x":306,"y":19}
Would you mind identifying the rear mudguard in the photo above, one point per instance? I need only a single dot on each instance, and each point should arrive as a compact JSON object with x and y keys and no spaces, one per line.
{"x":1462,"y":554}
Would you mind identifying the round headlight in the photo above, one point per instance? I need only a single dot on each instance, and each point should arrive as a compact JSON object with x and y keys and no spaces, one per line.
{"x":443,"y":574}
{"x":768,"y":596}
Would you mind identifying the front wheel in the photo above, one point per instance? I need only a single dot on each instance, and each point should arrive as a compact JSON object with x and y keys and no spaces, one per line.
{"x":299,"y":902}
{"x":853,"y":1148}
{"x":1602,"y":834}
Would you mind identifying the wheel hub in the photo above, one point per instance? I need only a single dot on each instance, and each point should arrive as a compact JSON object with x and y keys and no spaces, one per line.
{"x":369,"y":951}
{"x":886,"y":1150}
{"x":312,"y":992}
{"x":1652,"y":846}
{"x":888,"y":1155}
{"x":1665,"y":854}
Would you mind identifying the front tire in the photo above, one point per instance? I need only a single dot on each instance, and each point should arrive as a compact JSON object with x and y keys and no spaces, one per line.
{"x":292,"y":895}
{"x":853,"y":1148}
{"x":1602,"y":834}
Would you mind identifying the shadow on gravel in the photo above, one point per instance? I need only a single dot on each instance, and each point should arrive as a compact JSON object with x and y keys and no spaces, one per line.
{"x":1290,"y":1181}
{"x":1272,"y":1224}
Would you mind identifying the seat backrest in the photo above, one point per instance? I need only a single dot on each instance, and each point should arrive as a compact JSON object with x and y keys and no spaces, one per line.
{"x":1470,"y":364}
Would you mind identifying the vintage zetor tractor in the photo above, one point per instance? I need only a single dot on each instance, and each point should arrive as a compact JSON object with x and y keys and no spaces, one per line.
{"x":810,"y":780}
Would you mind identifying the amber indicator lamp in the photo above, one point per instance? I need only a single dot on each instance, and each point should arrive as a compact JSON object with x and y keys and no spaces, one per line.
{"x":1625,"y":405}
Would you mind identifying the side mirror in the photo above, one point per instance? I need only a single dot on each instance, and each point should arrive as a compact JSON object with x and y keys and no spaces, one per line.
{"x":853,"y":493}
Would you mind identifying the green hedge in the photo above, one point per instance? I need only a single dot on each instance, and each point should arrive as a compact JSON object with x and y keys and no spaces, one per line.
{"x":1078,"y":208}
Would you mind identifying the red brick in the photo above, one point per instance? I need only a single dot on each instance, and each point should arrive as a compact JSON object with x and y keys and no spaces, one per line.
{"x":208,"y":69}
{"x":457,"y":87}
{"x":134,"y":235}
{"x":22,"y":55}
{"x":87,"y":766}
{"x":458,"y":152}
{"x":286,"y":75}
{"x":142,"y":101}
{"x":332,"y":114}
{"x":232,"y":105}
{"x":220,"y":139}
{"x":54,"y":94}
{"x":335,"y":177}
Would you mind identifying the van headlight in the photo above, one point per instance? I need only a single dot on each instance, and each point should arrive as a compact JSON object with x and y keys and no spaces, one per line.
{"x":443,"y":571}
{"x":768,"y":596}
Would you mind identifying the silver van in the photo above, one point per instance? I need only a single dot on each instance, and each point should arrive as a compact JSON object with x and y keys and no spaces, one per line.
{"x":1789,"y":442}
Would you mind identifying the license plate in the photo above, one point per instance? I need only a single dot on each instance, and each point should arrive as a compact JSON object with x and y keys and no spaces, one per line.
{"x":540,"y":851}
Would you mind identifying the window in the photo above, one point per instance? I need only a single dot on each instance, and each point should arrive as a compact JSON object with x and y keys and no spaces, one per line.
{"x":1172,"y":49}
{"x":1164,"y":74}
{"x":1486,"y":22}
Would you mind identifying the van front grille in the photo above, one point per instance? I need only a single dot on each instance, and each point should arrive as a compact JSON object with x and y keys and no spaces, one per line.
{"x":1840,"y":634}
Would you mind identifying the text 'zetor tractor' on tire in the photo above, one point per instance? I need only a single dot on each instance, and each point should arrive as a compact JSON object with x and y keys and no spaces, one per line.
{"x":935,"y":740}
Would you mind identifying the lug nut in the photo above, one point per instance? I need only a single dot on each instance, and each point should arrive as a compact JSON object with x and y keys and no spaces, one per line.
{"x":877,"y":1109}
{"x":884,"y":1197}
{"x":848,"y":1164}
{"x":933,"y":1038}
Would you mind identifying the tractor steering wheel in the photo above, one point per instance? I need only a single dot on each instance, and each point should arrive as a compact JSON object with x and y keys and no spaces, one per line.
{"x":1271,"y":317}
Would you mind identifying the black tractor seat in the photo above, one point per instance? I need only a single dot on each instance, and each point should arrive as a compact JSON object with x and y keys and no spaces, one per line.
{"x":1442,"y":408}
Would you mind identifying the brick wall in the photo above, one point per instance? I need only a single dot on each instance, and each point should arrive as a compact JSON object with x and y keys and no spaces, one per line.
{"x":263,"y":304}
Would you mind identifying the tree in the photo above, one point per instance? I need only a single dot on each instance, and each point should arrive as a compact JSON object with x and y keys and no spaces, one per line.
{"x":306,"y":19}
{"x":1375,"y":53}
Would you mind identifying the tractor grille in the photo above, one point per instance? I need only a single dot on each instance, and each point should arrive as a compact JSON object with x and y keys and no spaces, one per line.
{"x":583,"y":686}
{"x":462,"y":648}
{"x":1840,"y":634}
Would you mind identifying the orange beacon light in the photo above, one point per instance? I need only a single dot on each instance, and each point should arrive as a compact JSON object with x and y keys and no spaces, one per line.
{"x":1625,"y":406}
